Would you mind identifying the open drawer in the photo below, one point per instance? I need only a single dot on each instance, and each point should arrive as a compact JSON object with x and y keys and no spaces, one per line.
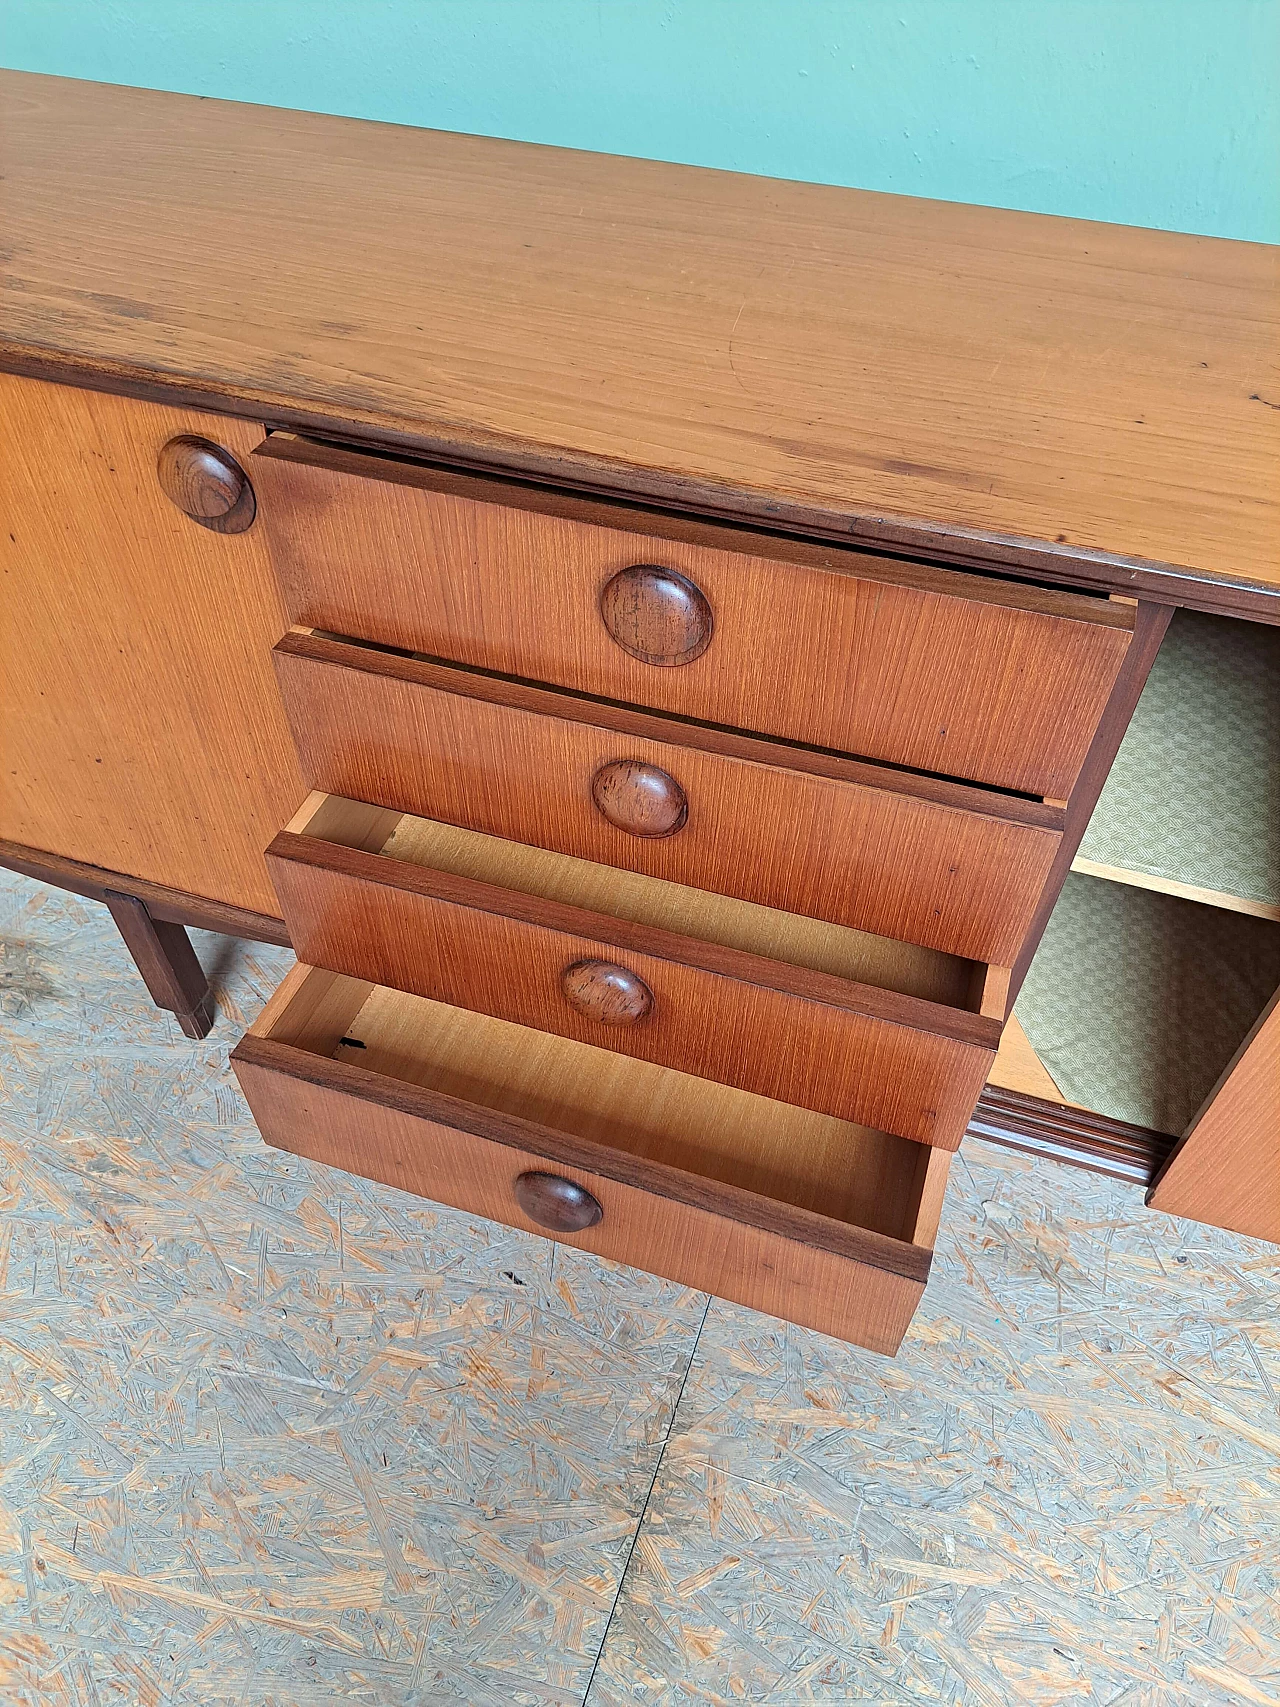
{"x":839,"y":1021}
{"x":822,"y":1222}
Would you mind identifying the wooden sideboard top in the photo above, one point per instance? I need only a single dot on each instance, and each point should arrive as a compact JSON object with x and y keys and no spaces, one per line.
{"x":1093,"y":403}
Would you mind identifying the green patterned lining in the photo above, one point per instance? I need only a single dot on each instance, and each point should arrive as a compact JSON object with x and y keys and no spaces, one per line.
{"x":1194,"y":794}
{"x":1136,"y":1000}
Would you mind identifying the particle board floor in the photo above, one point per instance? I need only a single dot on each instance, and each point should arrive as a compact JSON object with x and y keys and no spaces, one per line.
{"x":272,"y":1437}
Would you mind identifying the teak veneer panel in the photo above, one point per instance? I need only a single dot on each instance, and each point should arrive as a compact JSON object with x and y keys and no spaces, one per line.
{"x":902,"y":856}
{"x":142,"y":727}
{"x":703,"y":1184}
{"x":1226,"y":1168}
{"x":956,"y":674}
{"x":776,"y":1027}
{"x":1089,"y":399}
{"x":709,"y":1248}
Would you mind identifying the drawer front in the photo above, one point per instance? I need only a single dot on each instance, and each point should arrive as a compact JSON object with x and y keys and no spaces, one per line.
{"x":861,"y":1286}
{"x":897,"y":1063}
{"x":948,"y":673}
{"x":942,"y":865}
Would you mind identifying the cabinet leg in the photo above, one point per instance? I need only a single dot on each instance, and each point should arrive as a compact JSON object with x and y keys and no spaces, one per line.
{"x":163,"y":954}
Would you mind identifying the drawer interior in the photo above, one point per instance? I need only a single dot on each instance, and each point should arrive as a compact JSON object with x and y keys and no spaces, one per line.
{"x":869,"y":1179}
{"x":859,"y":956}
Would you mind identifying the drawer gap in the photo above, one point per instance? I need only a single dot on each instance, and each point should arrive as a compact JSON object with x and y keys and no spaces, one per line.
{"x":960,"y":560}
{"x":465,"y":678}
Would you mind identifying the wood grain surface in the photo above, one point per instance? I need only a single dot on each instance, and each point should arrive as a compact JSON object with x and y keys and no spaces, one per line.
{"x":720,"y":1252}
{"x":949,"y":867}
{"x":163,"y":954}
{"x":656,"y":615}
{"x":639,"y":798}
{"x":143,"y":732}
{"x":1047,"y":1127}
{"x":456,"y":1107}
{"x":1174,"y":886}
{"x":966,"y":676}
{"x":871,"y":1056}
{"x":556,"y":1203}
{"x":606,"y":993}
{"x":1001,"y":386}
{"x":1226,"y":1168}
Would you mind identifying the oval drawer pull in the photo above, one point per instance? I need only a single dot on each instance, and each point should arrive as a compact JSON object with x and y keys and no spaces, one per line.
{"x":656,"y":615}
{"x":557,"y":1203}
{"x":207,"y":484}
{"x":605,"y":992}
{"x":639,"y":798}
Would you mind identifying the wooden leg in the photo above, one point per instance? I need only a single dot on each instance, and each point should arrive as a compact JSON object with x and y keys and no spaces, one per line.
{"x":163,"y":954}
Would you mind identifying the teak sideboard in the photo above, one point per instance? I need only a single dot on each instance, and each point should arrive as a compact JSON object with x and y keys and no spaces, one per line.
{"x":652,"y":640}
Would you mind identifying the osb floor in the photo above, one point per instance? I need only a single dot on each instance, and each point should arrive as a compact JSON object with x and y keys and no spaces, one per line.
{"x":270,"y":1436}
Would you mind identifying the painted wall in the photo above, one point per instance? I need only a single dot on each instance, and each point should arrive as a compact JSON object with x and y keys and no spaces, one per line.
{"x":1148,"y":112}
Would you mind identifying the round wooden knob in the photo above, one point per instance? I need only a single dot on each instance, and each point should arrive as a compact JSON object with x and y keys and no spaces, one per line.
{"x":606,"y":992}
{"x":557,"y":1203}
{"x":657,"y":615}
{"x":640,"y":799}
{"x":207,"y":484}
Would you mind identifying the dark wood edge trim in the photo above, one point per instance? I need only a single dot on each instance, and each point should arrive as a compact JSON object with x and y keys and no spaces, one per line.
{"x":1152,"y":623}
{"x":1077,"y":1136}
{"x":945,"y":544}
{"x":174,"y":906}
{"x":611,"y":933}
{"x":516,"y":694}
{"x":627,"y":516}
{"x":659,"y":1179}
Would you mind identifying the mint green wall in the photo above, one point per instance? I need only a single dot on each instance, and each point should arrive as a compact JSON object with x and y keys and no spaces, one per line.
{"x":1150,"y":112}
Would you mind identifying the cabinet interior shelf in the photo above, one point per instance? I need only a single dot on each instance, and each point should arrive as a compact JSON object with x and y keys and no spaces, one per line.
{"x":1172,"y":886}
{"x":1165,"y":944}
{"x":1192,"y":805}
